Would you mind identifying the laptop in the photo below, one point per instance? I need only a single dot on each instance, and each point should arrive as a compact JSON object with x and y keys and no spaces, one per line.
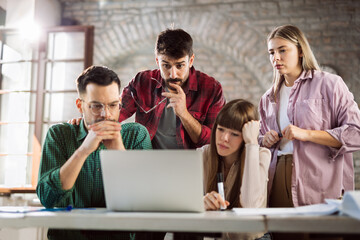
{"x":153,"y":180}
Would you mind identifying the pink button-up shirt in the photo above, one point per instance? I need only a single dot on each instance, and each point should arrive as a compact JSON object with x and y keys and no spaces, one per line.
{"x":318,"y":101}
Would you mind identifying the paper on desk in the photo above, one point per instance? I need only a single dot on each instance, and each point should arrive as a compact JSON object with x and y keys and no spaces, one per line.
{"x":19,"y":209}
{"x":316,"y":209}
{"x":351,"y":204}
{"x":11,"y":212}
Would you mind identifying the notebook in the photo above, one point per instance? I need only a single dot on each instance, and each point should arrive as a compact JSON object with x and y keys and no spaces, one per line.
{"x":153,"y":180}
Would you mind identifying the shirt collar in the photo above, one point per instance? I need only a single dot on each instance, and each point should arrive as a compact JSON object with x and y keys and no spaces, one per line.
{"x":303,"y":76}
{"x":191,"y":83}
{"x":161,"y":80}
{"x":82,"y":131}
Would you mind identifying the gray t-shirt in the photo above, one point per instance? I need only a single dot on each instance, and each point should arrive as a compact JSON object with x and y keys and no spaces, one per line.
{"x":165,"y":137}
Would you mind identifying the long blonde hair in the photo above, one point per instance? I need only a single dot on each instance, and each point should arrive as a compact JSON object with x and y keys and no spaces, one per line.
{"x":233,"y":116}
{"x":296,"y":36}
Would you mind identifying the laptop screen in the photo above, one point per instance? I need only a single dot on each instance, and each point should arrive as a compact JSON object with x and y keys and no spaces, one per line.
{"x":153,"y":180}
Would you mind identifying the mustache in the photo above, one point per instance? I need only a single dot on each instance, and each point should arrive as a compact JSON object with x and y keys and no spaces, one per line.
{"x":172,"y":80}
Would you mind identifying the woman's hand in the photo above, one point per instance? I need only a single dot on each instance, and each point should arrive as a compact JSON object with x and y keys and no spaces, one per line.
{"x":270,"y":138}
{"x":213,"y":201}
{"x":250,"y":132}
{"x":292,"y":132}
{"x":75,"y":121}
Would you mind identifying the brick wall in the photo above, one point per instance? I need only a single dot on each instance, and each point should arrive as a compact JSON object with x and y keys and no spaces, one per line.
{"x":229,"y":37}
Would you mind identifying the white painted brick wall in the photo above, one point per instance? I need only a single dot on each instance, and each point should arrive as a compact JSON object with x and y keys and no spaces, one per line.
{"x":229,"y":37}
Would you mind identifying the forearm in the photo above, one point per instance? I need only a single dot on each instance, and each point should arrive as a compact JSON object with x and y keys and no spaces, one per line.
{"x":192,"y":126}
{"x":252,"y":183}
{"x":71,"y":169}
{"x":322,"y":138}
{"x":46,"y":189}
{"x":115,"y":144}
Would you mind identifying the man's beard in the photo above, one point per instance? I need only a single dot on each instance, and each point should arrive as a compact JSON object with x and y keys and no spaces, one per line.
{"x":174,"y":81}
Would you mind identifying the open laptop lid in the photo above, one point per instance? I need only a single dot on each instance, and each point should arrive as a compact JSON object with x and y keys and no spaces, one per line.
{"x":153,"y":180}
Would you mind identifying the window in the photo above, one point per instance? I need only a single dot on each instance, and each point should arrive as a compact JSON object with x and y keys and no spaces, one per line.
{"x":37,"y":89}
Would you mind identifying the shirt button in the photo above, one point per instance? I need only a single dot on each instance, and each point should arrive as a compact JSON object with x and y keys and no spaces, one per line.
{"x":98,"y":169}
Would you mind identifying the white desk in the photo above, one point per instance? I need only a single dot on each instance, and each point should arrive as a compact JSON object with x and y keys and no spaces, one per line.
{"x":313,"y":224}
{"x":226,"y":221}
{"x":100,"y":219}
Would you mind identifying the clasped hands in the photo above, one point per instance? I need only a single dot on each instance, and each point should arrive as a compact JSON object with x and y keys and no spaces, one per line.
{"x":107,"y":132}
{"x":290,"y":132}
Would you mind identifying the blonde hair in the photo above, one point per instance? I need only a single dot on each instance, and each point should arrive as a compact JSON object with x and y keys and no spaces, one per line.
{"x":296,"y":36}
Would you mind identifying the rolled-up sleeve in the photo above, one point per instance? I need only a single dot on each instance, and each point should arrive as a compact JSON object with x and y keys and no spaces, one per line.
{"x":347,"y":118}
{"x":49,"y":188}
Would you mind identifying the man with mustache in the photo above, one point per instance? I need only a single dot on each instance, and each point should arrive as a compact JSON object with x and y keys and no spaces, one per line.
{"x":177,"y":104}
{"x":70,"y":172}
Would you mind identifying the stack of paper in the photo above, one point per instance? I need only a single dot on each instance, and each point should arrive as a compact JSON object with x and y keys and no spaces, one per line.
{"x":350,"y":205}
{"x":316,"y":209}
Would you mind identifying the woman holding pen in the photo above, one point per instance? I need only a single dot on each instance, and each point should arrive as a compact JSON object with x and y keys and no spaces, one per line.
{"x":235,"y":154}
{"x":235,"y":166}
{"x":310,"y":122}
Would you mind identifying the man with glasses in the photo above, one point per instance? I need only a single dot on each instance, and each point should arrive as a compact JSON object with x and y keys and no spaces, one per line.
{"x":70,"y":173}
{"x":177,"y":104}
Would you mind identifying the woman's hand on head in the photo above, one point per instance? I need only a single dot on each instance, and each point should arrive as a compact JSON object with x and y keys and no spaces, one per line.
{"x":213,"y":201}
{"x":270,"y":138}
{"x":75,"y":121}
{"x":250,"y":132}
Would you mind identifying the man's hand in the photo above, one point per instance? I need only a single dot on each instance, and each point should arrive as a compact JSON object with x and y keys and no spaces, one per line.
{"x":178,"y":103}
{"x":107,"y":132}
{"x":177,"y":100}
{"x":270,"y":138}
{"x":110,"y":132}
{"x":292,"y":132}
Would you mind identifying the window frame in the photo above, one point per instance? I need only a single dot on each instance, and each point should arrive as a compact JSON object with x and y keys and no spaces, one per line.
{"x":40,"y":80}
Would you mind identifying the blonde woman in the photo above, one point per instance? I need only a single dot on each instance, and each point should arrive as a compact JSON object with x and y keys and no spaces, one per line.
{"x":310,"y":122}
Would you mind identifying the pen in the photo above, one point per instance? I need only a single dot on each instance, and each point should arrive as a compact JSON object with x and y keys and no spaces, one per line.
{"x":280,"y":135}
{"x":220,"y":185}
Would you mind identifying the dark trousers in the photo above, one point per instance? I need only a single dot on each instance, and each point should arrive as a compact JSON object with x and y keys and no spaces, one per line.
{"x":281,"y":196}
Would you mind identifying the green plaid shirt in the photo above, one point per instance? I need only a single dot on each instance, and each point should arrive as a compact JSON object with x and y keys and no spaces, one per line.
{"x":61,"y":142}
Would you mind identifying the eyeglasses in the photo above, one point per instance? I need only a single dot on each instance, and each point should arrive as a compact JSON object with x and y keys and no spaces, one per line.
{"x":151,"y":109}
{"x":98,"y":108}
